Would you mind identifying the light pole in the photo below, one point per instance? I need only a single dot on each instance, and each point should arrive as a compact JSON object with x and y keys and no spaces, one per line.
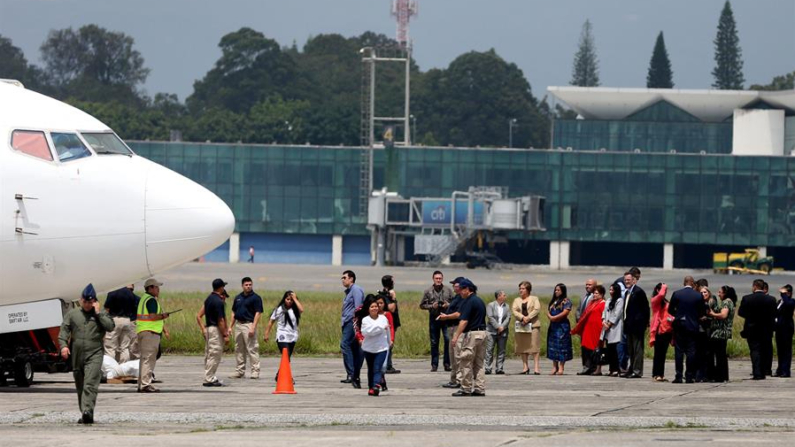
{"x":511,"y":124}
{"x":414,"y":129}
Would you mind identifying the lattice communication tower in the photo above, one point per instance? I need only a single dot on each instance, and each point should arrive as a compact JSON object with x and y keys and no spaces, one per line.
{"x":403,"y":11}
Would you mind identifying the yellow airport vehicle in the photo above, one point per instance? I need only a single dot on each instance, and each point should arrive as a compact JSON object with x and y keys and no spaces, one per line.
{"x":747,"y":262}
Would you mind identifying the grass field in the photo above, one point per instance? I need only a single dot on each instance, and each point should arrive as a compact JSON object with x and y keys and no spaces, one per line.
{"x":320,"y":325}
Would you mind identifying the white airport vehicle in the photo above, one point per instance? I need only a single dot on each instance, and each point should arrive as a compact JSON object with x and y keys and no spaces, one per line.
{"x":77,"y":206}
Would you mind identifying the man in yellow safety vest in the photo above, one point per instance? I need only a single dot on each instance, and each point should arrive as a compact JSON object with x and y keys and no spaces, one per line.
{"x":150,"y":326}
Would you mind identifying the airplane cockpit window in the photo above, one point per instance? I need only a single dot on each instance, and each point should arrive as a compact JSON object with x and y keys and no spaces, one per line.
{"x":106,"y":143}
{"x":31,"y":143}
{"x":68,"y":146}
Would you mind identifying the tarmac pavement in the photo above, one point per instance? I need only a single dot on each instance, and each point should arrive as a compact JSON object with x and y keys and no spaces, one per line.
{"x":198,"y":276}
{"x":518,"y":410}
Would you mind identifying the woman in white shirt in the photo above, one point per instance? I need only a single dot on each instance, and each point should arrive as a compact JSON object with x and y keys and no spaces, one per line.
{"x":376,"y":335}
{"x":287,"y":316}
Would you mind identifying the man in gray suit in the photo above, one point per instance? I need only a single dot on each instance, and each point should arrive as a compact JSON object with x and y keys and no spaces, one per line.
{"x":498,"y":315}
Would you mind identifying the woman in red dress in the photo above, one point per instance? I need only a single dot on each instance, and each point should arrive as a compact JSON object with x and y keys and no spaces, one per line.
{"x":589,"y":328}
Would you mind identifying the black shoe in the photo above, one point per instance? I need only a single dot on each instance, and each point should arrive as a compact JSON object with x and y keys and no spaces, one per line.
{"x":690,"y":381}
{"x":434,"y":368}
{"x":677,"y":380}
{"x":346,"y":380}
{"x":393,"y":371}
{"x":585,"y":373}
{"x":88,"y":417}
{"x":634,"y":376}
{"x":451,"y":385}
{"x":216,"y":383}
{"x":488,"y":372}
{"x":461,"y":393}
{"x":758,"y":378}
{"x":448,"y":368}
{"x":356,"y":383}
{"x":500,"y":372}
{"x":478,"y":393}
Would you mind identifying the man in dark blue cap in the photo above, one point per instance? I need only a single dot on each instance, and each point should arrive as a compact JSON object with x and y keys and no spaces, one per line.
{"x":81,"y":336}
{"x":472,"y":330}
{"x":450,"y":317}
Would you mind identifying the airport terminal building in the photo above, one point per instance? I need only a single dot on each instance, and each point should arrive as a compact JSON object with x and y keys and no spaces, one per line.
{"x":648,"y":177}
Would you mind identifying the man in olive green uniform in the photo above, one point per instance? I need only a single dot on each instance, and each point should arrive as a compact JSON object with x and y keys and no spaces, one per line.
{"x":149,"y":326}
{"x":82,"y":333}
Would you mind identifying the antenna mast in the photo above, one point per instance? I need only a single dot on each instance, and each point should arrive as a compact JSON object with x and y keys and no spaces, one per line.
{"x":403,"y":11}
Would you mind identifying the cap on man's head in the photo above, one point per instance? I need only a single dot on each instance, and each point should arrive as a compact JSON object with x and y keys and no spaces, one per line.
{"x":152,"y":282}
{"x":466,"y":284}
{"x":89,"y":293}
{"x":457,"y":280}
{"x":218,"y":283}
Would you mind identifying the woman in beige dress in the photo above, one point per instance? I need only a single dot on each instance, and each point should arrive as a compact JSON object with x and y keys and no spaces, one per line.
{"x":527,"y":331}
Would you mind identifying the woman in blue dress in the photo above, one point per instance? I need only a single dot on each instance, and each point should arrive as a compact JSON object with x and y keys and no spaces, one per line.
{"x":559,"y":333}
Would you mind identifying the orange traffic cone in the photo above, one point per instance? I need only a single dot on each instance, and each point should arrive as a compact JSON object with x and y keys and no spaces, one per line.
{"x":284,"y":385}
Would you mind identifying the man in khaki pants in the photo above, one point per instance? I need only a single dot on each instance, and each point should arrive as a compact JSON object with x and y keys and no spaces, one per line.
{"x":214,"y":331}
{"x":472,"y":329}
{"x":246,"y":312}
{"x":150,"y":326}
{"x":450,"y":316}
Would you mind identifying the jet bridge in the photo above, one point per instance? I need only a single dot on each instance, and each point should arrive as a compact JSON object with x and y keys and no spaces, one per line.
{"x":443,"y":226}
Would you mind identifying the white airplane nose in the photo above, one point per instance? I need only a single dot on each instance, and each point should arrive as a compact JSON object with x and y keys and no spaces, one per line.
{"x":183,"y":220}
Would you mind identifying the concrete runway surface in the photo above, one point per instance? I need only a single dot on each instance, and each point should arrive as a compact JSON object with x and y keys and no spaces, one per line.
{"x":198,"y":277}
{"x":518,"y":410}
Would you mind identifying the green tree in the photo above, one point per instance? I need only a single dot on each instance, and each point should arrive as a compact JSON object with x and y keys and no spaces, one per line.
{"x":728,"y":71}
{"x":585,"y":72}
{"x":94,"y":64}
{"x":15,"y":66}
{"x":250,"y":70}
{"x":471,"y":102}
{"x":277,"y":121}
{"x":218,"y":126}
{"x":784,"y":82}
{"x":660,"y":74}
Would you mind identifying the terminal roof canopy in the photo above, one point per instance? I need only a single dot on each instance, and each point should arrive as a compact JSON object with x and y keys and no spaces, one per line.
{"x":603,"y":103}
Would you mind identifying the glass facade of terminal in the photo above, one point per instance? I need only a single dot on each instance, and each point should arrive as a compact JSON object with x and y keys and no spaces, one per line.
{"x":661,"y":127}
{"x":591,"y":196}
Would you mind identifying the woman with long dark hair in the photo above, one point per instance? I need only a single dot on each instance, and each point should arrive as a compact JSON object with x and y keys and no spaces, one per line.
{"x":558,"y":335}
{"x":382,"y":306}
{"x":287,"y":316}
{"x":720,"y":330}
{"x":375,"y":341}
{"x":613,"y":327}
{"x":391,"y":306}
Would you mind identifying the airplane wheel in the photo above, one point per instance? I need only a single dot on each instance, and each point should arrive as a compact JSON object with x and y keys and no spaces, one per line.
{"x":23,"y":373}
{"x":765,"y":268}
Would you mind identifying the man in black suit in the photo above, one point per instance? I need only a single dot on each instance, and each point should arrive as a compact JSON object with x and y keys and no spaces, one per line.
{"x":636,"y":320}
{"x":784,"y":332}
{"x":687,"y":307}
{"x":759,"y":311}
